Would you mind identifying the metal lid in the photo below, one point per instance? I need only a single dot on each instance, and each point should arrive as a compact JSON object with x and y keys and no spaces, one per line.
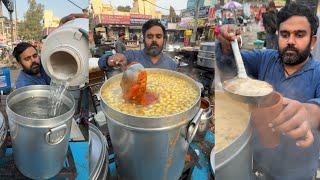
{"x":2,"y":124}
{"x":212,"y":161}
{"x":98,"y":152}
{"x":3,"y":131}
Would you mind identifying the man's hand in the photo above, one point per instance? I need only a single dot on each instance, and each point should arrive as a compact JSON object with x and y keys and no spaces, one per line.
{"x":71,"y":17}
{"x":228,"y":33}
{"x":117,"y":60}
{"x":294,"y":121}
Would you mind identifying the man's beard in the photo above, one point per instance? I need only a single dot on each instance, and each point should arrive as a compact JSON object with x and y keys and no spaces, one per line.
{"x":295,"y":57}
{"x":153,"y":50}
{"x":33,"y":70}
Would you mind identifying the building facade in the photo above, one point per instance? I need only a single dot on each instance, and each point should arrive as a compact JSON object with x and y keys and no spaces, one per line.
{"x":129,"y":22}
{"x":49,"y":20}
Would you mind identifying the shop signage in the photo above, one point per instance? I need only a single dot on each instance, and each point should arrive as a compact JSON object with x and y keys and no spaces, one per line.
{"x":140,"y":16}
{"x":139,"y":19}
{"x":112,"y":19}
{"x":137,"y":22}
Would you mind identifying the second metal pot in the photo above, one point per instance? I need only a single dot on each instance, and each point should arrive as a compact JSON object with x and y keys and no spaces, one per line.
{"x":39,"y":145}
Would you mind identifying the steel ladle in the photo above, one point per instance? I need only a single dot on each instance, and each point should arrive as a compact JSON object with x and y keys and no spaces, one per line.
{"x":231,"y":86}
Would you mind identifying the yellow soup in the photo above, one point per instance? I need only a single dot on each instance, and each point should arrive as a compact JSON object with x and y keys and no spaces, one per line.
{"x":176,"y":95}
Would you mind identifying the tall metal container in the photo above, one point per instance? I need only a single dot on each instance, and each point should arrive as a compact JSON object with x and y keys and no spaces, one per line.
{"x":235,"y":160}
{"x":39,"y":145}
{"x":152,"y":148}
{"x":65,"y":53}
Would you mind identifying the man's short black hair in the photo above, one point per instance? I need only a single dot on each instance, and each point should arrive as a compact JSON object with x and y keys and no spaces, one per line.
{"x":294,"y":9}
{"x":153,"y":22}
{"x":20,"y":48}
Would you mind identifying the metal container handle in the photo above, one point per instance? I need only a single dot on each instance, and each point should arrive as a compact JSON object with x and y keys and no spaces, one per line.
{"x":193,"y":126}
{"x":56,"y":135}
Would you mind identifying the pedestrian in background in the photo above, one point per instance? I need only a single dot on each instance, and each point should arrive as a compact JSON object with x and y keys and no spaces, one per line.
{"x":269,"y":19}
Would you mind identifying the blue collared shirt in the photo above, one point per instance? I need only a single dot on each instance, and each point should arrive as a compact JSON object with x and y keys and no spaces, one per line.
{"x":25,"y":79}
{"x":287,"y":161}
{"x":165,"y":62}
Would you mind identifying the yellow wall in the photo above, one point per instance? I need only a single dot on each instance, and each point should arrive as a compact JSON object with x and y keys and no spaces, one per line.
{"x":138,"y":7}
{"x":96,"y":6}
{"x":143,"y":7}
{"x":49,"y":19}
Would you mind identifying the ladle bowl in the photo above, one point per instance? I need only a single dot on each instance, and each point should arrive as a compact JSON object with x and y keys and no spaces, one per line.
{"x":243,"y":88}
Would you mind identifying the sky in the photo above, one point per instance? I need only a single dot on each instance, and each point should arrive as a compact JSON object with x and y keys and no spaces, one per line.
{"x":176,"y":4}
{"x":62,"y":8}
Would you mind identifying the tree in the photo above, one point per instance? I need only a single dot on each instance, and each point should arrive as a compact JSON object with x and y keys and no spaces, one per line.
{"x":124,"y":8}
{"x":31,"y":27}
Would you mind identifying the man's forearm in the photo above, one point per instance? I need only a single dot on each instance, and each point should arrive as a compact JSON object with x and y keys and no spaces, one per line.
{"x":103,"y":62}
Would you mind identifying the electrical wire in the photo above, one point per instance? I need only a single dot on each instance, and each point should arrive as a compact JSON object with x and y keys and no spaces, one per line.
{"x":75,"y":4}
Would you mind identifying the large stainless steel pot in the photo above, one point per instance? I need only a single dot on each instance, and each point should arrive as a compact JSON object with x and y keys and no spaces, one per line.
{"x":235,"y":160}
{"x":152,"y":148}
{"x":98,"y":154}
{"x":39,"y":145}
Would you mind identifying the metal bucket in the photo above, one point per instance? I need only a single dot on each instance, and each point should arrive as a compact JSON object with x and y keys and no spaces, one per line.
{"x":39,"y":145}
{"x":235,"y":160}
{"x":98,"y":154}
{"x":151,"y":148}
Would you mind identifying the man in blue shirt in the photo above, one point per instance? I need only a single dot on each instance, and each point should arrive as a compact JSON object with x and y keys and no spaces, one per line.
{"x":151,"y":56}
{"x":294,"y":73}
{"x":32,"y":72}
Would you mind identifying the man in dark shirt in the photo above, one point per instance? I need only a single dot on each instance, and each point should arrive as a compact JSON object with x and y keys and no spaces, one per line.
{"x":151,"y":56}
{"x":269,"y":20}
{"x":120,"y":45}
{"x":32,"y":72}
{"x":293,"y":72}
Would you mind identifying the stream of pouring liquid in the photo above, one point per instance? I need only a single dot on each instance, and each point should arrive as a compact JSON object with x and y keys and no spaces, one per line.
{"x":137,"y":93}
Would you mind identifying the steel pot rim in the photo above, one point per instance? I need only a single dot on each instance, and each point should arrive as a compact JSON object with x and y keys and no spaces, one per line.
{"x":39,"y":122}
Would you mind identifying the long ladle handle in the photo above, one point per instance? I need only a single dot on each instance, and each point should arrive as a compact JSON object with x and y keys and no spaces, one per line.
{"x":236,"y":52}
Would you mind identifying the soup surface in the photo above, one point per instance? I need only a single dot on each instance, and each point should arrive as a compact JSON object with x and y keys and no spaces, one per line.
{"x":231,"y":119}
{"x":248,"y":87}
{"x":175,"y":94}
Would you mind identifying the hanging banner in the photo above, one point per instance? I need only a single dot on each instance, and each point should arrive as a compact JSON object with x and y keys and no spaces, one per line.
{"x":9,"y":5}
